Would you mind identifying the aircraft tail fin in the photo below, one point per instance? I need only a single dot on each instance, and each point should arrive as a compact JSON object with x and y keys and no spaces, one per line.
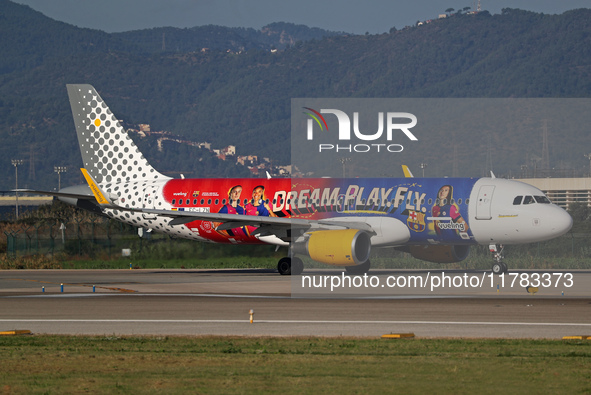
{"x":108,"y":153}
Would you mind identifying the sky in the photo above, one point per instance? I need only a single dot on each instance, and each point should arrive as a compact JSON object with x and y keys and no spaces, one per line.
{"x":349,"y":16}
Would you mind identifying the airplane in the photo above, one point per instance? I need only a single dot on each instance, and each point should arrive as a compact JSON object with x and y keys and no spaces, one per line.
{"x":336,"y":221}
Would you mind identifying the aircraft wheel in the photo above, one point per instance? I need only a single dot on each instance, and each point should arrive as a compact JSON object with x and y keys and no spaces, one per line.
{"x":297,"y":266}
{"x":284,"y":266}
{"x":359,"y":269}
{"x":505,"y":268}
{"x":498,"y":267}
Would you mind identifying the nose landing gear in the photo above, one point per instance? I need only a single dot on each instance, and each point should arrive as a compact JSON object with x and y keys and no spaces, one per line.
{"x":499,"y":266}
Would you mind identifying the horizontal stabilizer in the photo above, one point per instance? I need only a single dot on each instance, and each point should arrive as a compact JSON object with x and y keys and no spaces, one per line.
{"x":88,"y":196}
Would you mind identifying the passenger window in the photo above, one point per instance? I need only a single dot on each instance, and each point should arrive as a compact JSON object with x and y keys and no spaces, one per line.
{"x":173,"y":202}
{"x":201,"y":202}
{"x":430,"y":202}
{"x":208,"y":201}
{"x":452,"y":201}
{"x":467,"y":201}
{"x":194,"y":202}
{"x":528,"y":200}
{"x":517,"y":200}
{"x":224,"y":202}
{"x":460,"y":201}
{"x":181,"y":202}
{"x":542,"y":199}
{"x":217,"y":201}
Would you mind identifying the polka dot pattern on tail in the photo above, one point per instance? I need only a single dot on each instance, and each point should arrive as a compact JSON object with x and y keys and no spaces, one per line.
{"x":104,"y":142}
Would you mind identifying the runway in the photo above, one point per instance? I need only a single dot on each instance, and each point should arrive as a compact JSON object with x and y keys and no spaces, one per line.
{"x":217,"y":302}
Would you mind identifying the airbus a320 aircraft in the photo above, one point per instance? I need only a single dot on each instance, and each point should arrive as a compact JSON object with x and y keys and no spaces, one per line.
{"x":334,"y":221}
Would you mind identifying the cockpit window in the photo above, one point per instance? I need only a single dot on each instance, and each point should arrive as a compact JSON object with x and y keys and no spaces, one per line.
{"x":517,"y":200}
{"x":531,"y":200}
{"x":528,"y":200}
{"x":542,"y":199}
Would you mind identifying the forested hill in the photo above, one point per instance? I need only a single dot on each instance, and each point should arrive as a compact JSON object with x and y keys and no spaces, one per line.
{"x":28,"y":38}
{"x":273,"y":36}
{"x":243,"y":97}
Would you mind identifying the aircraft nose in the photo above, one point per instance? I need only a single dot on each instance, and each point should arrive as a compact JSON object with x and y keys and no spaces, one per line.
{"x":562,"y":222}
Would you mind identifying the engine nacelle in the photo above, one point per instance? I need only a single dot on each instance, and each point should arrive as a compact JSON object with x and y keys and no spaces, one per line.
{"x":440,"y":253}
{"x":347,"y":247}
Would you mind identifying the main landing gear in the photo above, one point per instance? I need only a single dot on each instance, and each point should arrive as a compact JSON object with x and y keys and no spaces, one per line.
{"x":499,"y":266}
{"x":288,"y":266}
{"x":359,"y":269}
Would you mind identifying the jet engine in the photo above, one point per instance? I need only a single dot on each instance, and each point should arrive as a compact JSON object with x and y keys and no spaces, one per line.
{"x":440,"y":253}
{"x":347,"y":247}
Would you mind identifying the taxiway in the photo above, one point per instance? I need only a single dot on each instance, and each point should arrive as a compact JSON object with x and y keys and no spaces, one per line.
{"x":217,"y":302}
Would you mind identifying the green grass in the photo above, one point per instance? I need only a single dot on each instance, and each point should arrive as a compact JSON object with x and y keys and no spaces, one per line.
{"x":269,"y":261}
{"x":62,"y":364}
{"x":231,"y":262}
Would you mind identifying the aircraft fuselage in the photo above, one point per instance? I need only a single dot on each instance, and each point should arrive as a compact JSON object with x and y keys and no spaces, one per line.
{"x":431,"y":210}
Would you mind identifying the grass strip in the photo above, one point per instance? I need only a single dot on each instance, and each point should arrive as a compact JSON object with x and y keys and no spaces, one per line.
{"x":112,"y":364}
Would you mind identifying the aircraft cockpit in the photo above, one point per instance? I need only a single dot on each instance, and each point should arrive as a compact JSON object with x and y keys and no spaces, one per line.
{"x":528,"y":199}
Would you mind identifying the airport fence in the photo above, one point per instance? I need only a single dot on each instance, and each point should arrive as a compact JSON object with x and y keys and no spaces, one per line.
{"x":79,"y":237}
{"x":102,"y":238}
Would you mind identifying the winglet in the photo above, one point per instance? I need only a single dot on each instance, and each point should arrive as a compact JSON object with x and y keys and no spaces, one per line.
{"x":407,"y":172}
{"x":492,"y":175}
{"x":98,"y":194}
{"x":268,"y":175}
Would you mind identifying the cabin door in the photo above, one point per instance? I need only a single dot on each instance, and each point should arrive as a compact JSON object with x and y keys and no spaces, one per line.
{"x":484,"y":201}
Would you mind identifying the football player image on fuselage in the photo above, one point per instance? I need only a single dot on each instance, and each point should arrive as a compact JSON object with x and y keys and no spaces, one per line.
{"x":232,"y":207}
{"x":449,"y":222}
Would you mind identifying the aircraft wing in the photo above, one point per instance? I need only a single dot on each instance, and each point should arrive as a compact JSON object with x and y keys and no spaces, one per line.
{"x":230,"y":221}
